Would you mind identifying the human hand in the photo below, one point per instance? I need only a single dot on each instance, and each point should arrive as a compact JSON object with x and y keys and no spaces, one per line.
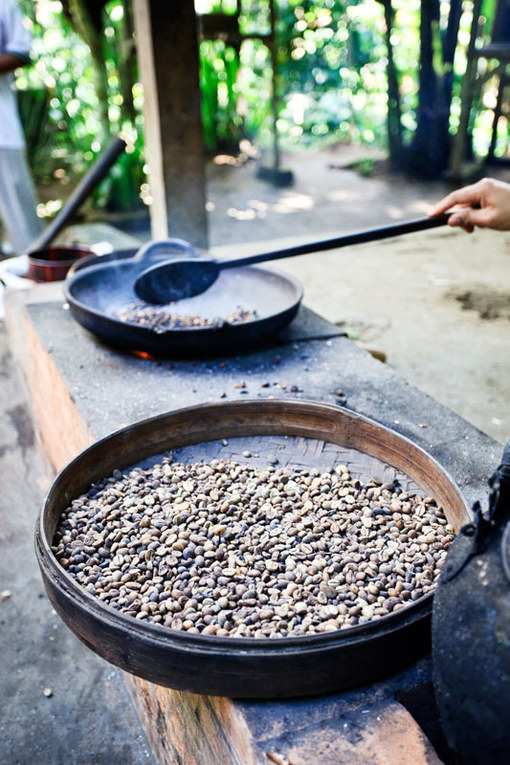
{"x":485,"y":204}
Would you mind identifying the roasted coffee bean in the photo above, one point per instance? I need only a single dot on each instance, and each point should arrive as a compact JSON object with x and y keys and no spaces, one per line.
{"x":161,"y":319}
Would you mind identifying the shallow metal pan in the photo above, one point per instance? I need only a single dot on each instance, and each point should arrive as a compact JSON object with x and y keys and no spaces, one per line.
{"x":246,"y":667}
{"x":98,"y":287}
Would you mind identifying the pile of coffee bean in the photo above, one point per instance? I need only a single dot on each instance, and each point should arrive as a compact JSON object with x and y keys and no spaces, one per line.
{"x":160,"y":319}
{"x":229,"y":549}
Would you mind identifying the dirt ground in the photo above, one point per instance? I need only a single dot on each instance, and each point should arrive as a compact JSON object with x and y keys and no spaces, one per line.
{"x":436,"y":303}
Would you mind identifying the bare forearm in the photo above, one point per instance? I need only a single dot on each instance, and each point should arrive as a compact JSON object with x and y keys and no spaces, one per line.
{"x":11,"y":61}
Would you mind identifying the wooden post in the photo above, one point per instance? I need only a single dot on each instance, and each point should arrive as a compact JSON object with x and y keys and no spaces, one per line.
{"x":167,"y":47}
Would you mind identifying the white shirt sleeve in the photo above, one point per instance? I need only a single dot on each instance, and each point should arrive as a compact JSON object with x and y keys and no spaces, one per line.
{"x":17,"y":38}
{"x":14,"y":38}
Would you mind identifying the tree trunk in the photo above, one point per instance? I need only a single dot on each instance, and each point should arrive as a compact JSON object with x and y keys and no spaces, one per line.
{"x":429,"y":151}
{"x":127,"y":62}
{"x":83,"y":23}
{"x":395,"y":141}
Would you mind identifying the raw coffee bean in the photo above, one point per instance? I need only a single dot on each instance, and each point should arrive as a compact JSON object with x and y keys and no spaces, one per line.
{"x":232,"y":550}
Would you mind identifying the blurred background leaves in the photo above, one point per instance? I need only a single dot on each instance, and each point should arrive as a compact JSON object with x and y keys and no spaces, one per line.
{"x":314,"y":72}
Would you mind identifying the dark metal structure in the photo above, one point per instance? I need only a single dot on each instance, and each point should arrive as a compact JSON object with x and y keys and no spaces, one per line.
{"x":471,"y":632}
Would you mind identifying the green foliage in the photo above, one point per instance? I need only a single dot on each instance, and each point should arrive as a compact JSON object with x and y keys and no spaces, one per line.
{"x":330,"y":84}
{"x":333,"y":56}
{"x":219,"y":68}
{"x":256,"y":91}
{"x":364,"y":167}
{"x":236,"y":78}
{"x":33,"y":109}
{"x":120,"y":191}
{"x":330,"y":75}
{"x":60,"y":88}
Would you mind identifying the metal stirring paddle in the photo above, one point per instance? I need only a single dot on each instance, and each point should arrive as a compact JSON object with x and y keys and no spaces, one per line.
{"x":181,"y":278}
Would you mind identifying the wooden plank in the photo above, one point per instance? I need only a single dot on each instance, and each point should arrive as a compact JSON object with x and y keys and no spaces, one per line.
{"x":62,"y":431}
{"x":167,"y":46}
{"x":192,"y":729}
{"x":202,"y":730}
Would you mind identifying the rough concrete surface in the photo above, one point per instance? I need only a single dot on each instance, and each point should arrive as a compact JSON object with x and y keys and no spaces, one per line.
{"x":59,"y":703}
{"x":418,"y":300}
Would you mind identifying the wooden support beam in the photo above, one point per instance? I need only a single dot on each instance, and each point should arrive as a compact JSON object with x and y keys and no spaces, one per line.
{"x":167,"y":46}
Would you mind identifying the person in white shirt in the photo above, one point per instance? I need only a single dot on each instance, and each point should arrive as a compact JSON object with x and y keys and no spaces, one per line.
{"x":18,"y":197}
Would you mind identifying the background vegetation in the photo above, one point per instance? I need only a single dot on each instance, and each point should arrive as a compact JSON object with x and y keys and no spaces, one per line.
{"x":380,"y":72}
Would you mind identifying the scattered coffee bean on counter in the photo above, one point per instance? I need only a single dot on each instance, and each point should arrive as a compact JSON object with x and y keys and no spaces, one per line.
{"x":160,"y":319}
{"x":229,"y":549}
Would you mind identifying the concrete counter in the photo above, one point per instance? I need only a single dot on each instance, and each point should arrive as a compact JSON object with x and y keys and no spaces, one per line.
{"x":81,"y":390}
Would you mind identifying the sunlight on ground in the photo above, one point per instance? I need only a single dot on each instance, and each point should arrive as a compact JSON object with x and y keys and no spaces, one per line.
{"x":249,"y":214}
{"x":294,"y":203}
{"x":255,"y":209}
{"x":395,"y":212}
{"x":291,"y":203}
{"x":343,"y":195}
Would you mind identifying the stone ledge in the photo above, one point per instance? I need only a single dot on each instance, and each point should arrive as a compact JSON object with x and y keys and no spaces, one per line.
{"x":81,"y":390}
